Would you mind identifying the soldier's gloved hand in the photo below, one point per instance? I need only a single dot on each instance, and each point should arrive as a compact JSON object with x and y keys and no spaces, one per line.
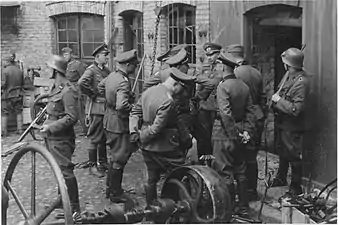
{"x":245,"y":137}
{"x":135,"y":136}
{"x":275,"y":98}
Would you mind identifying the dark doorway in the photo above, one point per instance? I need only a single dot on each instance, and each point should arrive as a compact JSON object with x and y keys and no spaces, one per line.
{"x":271,"y":30}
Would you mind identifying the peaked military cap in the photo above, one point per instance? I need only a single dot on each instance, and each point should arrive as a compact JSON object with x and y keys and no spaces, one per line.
{"x":211,"y":48}
{"x":128,"y":56}
{"x":66,"y":50}
{"x":101,"y":49}
{"x":180,"y":58}
{"x":171,"y":52}
{"x":236,"y":48}
{"x":181,"y":77}
{"x":227,"y":59}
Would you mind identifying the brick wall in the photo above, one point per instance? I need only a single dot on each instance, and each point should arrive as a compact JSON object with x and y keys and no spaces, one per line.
{"x":149,"y":18}
{"x":33,"y":42}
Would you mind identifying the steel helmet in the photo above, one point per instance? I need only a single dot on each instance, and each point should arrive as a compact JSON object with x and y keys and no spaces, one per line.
{"x":58,"y":63}
{"x":293,"y":57}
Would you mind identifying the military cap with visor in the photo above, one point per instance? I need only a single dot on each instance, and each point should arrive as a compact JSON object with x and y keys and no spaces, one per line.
{"x":227,"y":59}
{"x":171,"y":52}
{"x":235,"y":48}
{"x":66,"y":50}
{"x":181,"y":77}
{"x":103,"y":48}
{"x":211,"y":48}
{"x":58,"y":63}
{"x":180,"y":58}
{"x":127,"y":57}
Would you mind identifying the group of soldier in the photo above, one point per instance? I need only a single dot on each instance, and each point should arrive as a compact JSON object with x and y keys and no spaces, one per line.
{"x":222,"y":106}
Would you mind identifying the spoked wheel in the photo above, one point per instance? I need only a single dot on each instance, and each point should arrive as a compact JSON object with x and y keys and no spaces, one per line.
{"x":203,"y":190}
{"x":35,"y":218}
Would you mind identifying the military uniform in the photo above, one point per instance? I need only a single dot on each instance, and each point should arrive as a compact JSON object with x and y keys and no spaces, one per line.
{"x":62,"y":115}
{"x":155,"y":118}
{"x":291,"y":125}
{"x":208,"y":107}
{"x":12,"y":82}
{"x":235,"y":116}
{"x":95,"y":107}
{"x":253,"y":79}
{"x":116,"y":123}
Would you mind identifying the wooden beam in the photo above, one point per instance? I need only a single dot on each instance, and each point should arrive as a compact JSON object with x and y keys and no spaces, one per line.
{"x":289,"y":22}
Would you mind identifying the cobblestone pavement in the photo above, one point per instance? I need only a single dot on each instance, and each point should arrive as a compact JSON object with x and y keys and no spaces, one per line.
{"x":91,"y":189}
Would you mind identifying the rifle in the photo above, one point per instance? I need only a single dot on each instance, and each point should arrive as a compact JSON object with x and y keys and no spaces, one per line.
{"x":34,"y":124}
{"x":138,"y":73}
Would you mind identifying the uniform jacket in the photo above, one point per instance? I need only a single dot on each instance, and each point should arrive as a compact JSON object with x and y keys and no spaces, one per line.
{"x":118,"y":102}
{"x":155,"y":111}
{"x":290,"y":108}
{"x":235,"y":106}
{"x":75,"y":69}
{"x":88,"y":85}
{"x":214,"y":72}
{"x":12,"y":82}
{"x":62,"y":111}
{"x":253,"y":79}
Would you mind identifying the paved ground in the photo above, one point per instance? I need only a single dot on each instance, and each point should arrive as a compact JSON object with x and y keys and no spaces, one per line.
{"x":91,"y":189}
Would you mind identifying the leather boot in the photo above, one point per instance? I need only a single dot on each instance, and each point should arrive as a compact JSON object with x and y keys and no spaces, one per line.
{"x":102,"y":152}
{"x":232,"y":193}
{"x":19,"y":123}
{"x":92,"y":155}
{"x":243,"y":198}
{"x":251,"y":173}
{"x":296,"y":178}
{"x":151,"y":193}
{"x":4,"y":119}
{"x":73,"y":193}
{"x":280,"y":179}
{"x":117,"y":194}
{"x":109,"y":179}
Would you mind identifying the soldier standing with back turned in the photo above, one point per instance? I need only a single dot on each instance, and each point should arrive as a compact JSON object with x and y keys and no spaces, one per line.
{"x":95,"y":108}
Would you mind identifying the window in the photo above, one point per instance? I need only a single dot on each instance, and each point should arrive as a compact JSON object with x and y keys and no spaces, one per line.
{"x":181,"y":27}
{"x":81,"y":32}
{"x":9,"y":19}
{"x":133,"y":39}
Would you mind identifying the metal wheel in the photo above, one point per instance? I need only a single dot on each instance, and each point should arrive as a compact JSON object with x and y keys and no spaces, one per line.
{"x":35,"y":218}
{"x":203,"y":190}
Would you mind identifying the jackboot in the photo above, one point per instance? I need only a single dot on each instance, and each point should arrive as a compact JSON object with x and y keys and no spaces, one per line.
{"x":251,"y":173}
{"x":280,"y":179}
{"x":109,"y":179}
{"x":73,"y":193}
{"x":117,"y":194}
{"x":243,"y":199}
{"x":151,"y":193}
{"x":4,"y":119}
{"x":92,"y":155}
{"x":296,"y":178}
{"x":102,"y":152}
{"x":19,"y":123}
{"x":232,"y":193}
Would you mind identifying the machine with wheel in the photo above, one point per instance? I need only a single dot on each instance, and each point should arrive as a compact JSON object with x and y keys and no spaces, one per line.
{"x":190,"y":194}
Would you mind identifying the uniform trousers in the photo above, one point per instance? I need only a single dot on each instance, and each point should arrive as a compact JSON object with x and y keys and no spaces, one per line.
{"x":97,"y":139}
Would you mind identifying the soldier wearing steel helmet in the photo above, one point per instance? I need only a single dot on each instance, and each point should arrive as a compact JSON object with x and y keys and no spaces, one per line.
{"x":58,"y":128}
{"x":289,"y":106}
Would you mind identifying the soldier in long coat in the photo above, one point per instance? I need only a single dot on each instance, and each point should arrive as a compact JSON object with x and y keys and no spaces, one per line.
{"x":12,"y":81}
{"x":120,"y":99}
{"x":232,"y":130}
{"x":254,"y":80}
{"x":153,"y":123}
{"x":289,"y":105}
{"x":58,"y":129}
{"x":95,"y":108}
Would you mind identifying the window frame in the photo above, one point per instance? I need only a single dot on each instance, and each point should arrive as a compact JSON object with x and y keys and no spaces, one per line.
{"x":174,"y":21}
{"x":80,"y":33}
